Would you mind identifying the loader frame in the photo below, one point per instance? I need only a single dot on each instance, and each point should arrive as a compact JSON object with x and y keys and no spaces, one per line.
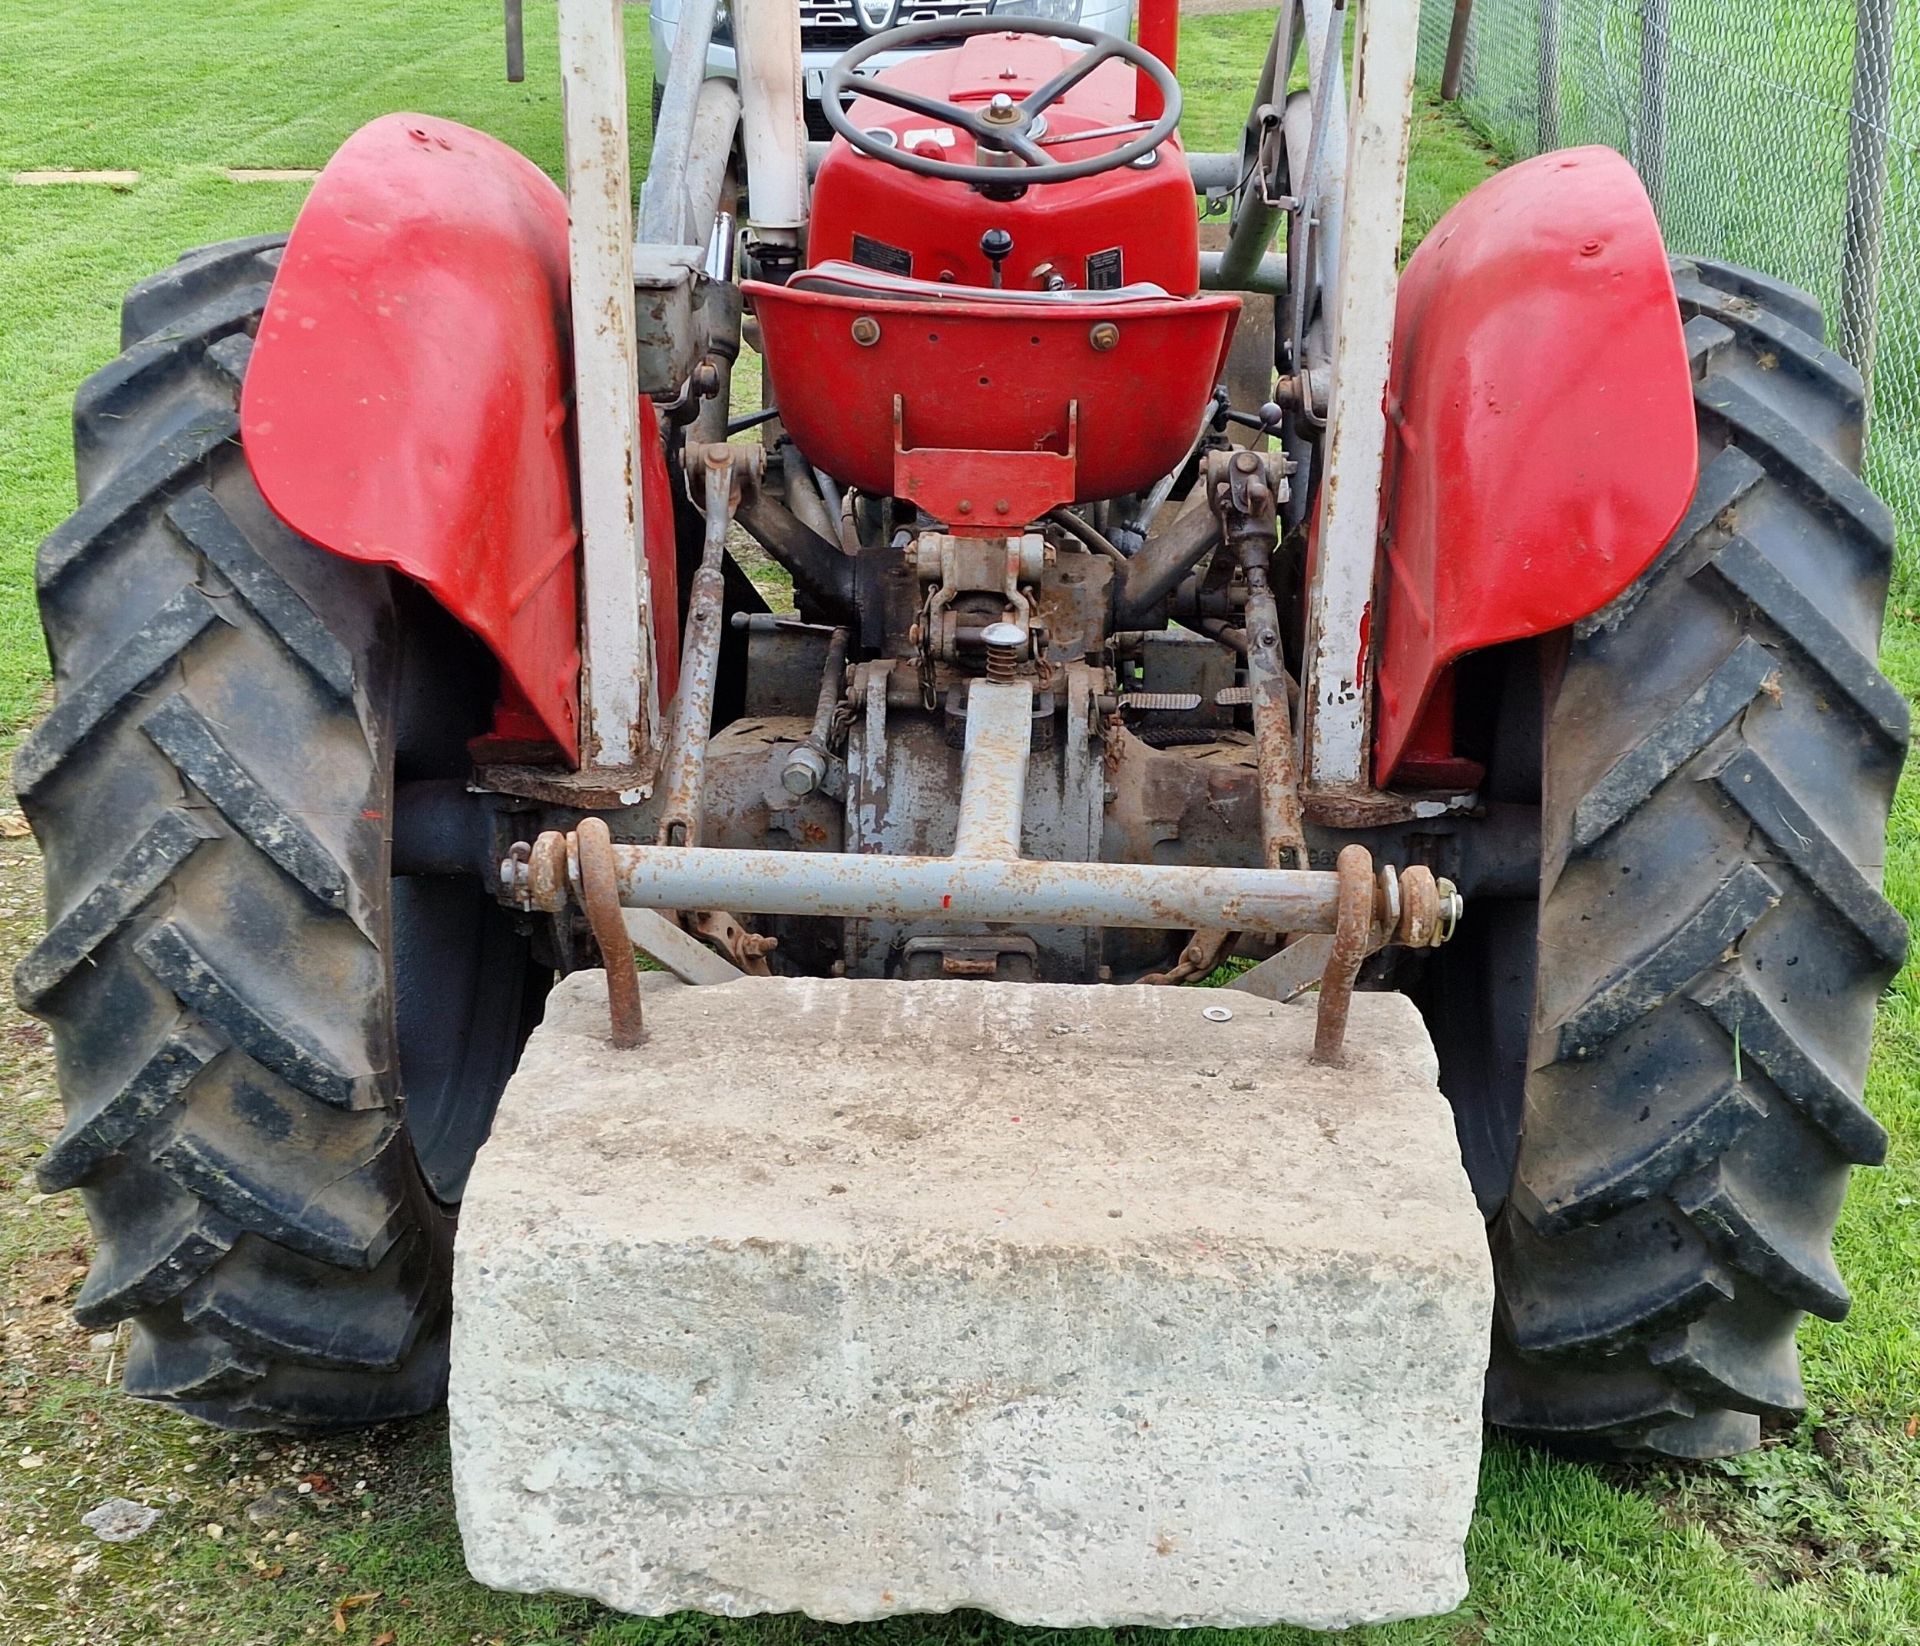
{"x":1354,"y":200}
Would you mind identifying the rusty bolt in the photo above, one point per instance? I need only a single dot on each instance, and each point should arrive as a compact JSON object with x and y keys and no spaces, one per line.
{"x":1001,"y":506}
{"x":1105,"y":335}
{"x":866,"y":331}
{"x":547,"y":877}
{"x":966,"y":506}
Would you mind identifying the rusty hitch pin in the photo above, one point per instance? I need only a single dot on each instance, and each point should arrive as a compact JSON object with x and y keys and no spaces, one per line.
{"x":600,"y":894}
{"x":1352,"y":930}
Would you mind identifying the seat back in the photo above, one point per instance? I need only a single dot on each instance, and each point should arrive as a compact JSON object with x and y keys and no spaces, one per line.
{"x":988,"y":407}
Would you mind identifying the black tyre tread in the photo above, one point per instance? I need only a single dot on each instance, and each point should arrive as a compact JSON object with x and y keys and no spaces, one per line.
{"x":216,"y":991}
{"x":204,"y":274}
{"x":1721,"y":757}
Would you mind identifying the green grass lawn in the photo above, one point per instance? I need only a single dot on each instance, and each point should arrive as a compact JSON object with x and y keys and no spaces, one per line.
{"x":1816,"y":1538}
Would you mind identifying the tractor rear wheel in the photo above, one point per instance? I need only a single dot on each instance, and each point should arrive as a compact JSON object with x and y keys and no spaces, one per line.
{"x":1720,"y":754}
{"x":276,"y":1060}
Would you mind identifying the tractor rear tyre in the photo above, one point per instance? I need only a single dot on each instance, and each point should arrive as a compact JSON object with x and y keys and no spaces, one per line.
{"x":276,"y":1060}
{"x":1720,"y":753}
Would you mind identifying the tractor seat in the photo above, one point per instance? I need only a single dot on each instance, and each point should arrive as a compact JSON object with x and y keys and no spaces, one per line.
{"x":843,"y":279}
{"x":987,"y":407}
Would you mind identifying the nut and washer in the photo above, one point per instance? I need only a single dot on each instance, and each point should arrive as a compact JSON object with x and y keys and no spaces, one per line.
{"x":1105,"y":335}
{"x":866,"y":331}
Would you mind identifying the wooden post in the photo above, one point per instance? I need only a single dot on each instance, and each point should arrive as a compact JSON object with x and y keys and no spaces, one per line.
{"x":1863,"y":244}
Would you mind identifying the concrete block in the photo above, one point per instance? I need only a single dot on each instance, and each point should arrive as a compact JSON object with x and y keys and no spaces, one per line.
{"x":859,"y":1298}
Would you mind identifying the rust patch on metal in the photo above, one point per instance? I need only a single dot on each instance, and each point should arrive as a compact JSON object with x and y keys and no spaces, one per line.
{"x":600,"y":893}
{"x":1353,"y":924}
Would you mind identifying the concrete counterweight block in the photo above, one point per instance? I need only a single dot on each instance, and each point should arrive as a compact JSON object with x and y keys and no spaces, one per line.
{"x":858,"y":1298}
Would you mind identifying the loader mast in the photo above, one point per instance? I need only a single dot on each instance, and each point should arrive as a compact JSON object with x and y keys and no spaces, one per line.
{"x":1353,"y":185}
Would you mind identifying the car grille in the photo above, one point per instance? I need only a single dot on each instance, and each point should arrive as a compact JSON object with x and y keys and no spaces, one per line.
{"x":834,"y":25}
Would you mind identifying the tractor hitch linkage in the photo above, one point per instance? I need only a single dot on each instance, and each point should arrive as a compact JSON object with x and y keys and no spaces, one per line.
{"x":1360,"y":910}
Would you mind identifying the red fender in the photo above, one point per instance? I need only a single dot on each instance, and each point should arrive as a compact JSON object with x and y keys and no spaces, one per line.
{"x":408,"y":398}
{"x":1541,"y":431}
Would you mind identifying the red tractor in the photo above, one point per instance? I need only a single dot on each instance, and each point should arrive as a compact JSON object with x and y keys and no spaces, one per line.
{"x":1151,"y":606}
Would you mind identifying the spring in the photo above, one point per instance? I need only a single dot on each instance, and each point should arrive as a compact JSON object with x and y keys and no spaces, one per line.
{"x":1006,"y":649}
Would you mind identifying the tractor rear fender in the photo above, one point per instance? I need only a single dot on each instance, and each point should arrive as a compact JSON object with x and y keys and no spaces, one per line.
{"x":407,"y":401}
{"x":1541,"y":435}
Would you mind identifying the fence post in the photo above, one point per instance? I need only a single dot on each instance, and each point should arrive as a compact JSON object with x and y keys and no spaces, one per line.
{"x":1651,"y":148}
{"x":1863,"y":242}
{"x":1456,"y":50}
{"x":1548,"y":94}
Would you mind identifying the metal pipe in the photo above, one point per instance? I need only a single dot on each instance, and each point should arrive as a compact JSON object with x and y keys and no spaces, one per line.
{"x":716,"y":118}
{"x":1456,"y":50}
{"x":1862,"y":243}
{"x":1214,"y":171}
{"x":1085,"y":533}
{"x":1160,"y":567}
{"x":846,"y":529}
{"x":663,"y":196}
{"x":1325,"y":95}
{"x":803,"y":494}
{"x":1251,"y":237}
{"x":683,"y":772}
{"x":516,"y":42}
{"x":806,"y":764}
{"x":823,"y":577}
{"x":773,"y":128}
{"x":993,"y":770}
{"x":1547,"y":80}
{"x":1268,"y":276}
{"x":1028,"y":891}
{"x":1651,"y":145}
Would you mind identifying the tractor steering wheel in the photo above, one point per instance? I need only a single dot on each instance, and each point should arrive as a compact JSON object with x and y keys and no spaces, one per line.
{"x":1003,"y":126}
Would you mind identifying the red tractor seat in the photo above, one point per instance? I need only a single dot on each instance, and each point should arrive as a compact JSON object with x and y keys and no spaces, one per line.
{"x":1048,"y":397}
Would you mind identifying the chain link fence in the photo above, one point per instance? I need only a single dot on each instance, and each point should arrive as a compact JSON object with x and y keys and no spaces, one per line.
{"x":1782,"y":134}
